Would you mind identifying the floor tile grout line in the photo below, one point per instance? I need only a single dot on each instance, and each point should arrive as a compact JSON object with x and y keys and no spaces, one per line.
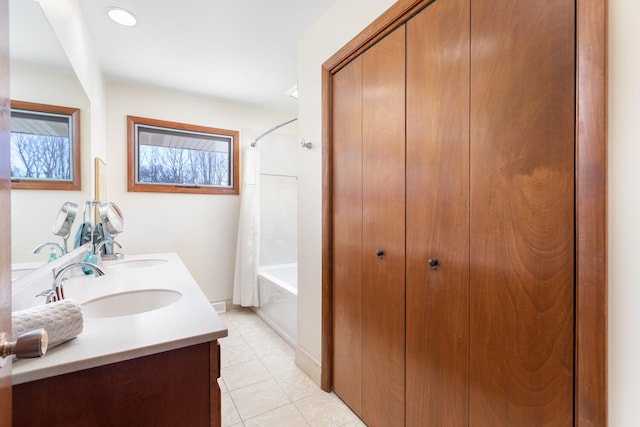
{"x":275,"y":409}
{"x":257,"y":326}
{"x":272,"y":377}
{"x":236,"y":408}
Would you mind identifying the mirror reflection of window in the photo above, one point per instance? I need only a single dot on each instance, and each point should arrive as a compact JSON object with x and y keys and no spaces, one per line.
{"x":45,"y":147}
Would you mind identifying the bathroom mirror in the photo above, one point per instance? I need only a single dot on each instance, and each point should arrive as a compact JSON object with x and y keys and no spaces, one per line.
{"x":41,"y":73}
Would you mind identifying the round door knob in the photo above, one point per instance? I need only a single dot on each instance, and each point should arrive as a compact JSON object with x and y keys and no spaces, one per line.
{"x":380,"y":253}
{"x":433,"y":262}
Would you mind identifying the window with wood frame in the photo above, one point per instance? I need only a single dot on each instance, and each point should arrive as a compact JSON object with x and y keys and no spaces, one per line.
{"x":171,"y":157}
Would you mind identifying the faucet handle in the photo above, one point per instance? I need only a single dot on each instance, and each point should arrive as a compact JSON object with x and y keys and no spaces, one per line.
{"x":49,"y":294}
{"x":59,"y":290}
{"x":104,"y":243}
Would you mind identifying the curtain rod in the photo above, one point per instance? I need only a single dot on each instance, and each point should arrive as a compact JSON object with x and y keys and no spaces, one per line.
{"x":253,"y":143}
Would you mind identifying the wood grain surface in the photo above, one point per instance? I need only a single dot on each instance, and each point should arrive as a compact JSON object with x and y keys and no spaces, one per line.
{"x":347,"y":235}
{"x":165,"y":389}
{"x":437,"y":314}
{"x":383,"y":171}
{"x":522,"y":213}
{"x":527,"y":372}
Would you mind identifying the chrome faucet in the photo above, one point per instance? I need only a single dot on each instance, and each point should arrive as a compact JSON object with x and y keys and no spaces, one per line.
{"x":104,"y":242}
{"x":52,"y":244}
{"x":57,"y":293}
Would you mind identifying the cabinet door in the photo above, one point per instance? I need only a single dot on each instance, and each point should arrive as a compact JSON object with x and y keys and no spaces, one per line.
{"x":522,"y":213}
{"x":383,"y":200}
{"x":347,"y":234}
{"x":438,"y":215}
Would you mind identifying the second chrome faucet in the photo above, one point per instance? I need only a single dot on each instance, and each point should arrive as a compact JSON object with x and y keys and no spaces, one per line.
{"x":56,"y":293}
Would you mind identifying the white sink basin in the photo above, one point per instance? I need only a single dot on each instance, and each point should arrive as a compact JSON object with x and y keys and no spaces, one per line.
{"x":128,"y":303}
{"x":137,"y":263}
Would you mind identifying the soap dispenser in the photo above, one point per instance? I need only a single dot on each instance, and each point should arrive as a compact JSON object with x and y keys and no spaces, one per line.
{"x":52,"y":255}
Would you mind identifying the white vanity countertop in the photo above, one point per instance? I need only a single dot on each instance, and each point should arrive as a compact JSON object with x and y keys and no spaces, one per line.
{"x":189,"y":321}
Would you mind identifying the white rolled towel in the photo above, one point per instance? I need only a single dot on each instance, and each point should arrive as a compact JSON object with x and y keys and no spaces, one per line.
{"x":63,"y":320}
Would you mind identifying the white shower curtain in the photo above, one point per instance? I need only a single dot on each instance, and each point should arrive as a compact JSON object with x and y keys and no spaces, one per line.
{"x":245,"y":283}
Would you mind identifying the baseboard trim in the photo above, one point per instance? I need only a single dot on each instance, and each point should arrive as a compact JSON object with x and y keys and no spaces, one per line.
{"x":308,"y":364}
{"x":222,"y":306}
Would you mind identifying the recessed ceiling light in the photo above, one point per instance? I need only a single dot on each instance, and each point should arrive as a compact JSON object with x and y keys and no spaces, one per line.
{"x":121,"y":16}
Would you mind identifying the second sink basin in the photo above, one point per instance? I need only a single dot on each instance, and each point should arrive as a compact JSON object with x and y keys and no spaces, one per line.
{"x":128,"y":303}
{"x":137,"y":263}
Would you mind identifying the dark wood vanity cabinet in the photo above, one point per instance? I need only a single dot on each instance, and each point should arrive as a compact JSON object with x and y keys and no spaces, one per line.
{"x":174,"y":388}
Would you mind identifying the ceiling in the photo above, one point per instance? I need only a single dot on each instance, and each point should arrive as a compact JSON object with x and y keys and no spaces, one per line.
{"x":236,"y":50}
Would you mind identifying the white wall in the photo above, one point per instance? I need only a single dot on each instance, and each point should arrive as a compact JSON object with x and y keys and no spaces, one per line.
{"x":341,"y":23}
{"x":200,"y":228}
{"x":624,"y":213}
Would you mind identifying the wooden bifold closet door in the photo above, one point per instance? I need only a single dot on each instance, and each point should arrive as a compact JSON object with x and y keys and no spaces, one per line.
{"x":369,"y":244}
{"x":522,"y":234}
{"x":490,"y":191}
{"x":453,"y":195}
{"x":437,"y":329}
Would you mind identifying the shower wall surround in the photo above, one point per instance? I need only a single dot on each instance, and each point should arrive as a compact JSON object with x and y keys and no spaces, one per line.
{"x":278,"y":199}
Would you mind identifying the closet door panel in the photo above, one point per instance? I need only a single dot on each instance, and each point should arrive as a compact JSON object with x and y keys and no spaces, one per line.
{"x":383,"y":171}
{"x":437,"y":330}
{"x":347,"y":234}
{"x":522,"y":213}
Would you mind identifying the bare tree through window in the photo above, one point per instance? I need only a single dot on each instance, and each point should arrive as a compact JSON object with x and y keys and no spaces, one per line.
{"x":45,"y":147}
{"x":40,"y":157}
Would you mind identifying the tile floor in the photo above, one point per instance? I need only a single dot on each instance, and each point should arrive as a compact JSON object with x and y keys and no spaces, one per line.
{"x":262,"y":386}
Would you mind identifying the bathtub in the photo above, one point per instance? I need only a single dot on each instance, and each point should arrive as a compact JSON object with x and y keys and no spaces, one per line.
{"x":278,"y":289}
